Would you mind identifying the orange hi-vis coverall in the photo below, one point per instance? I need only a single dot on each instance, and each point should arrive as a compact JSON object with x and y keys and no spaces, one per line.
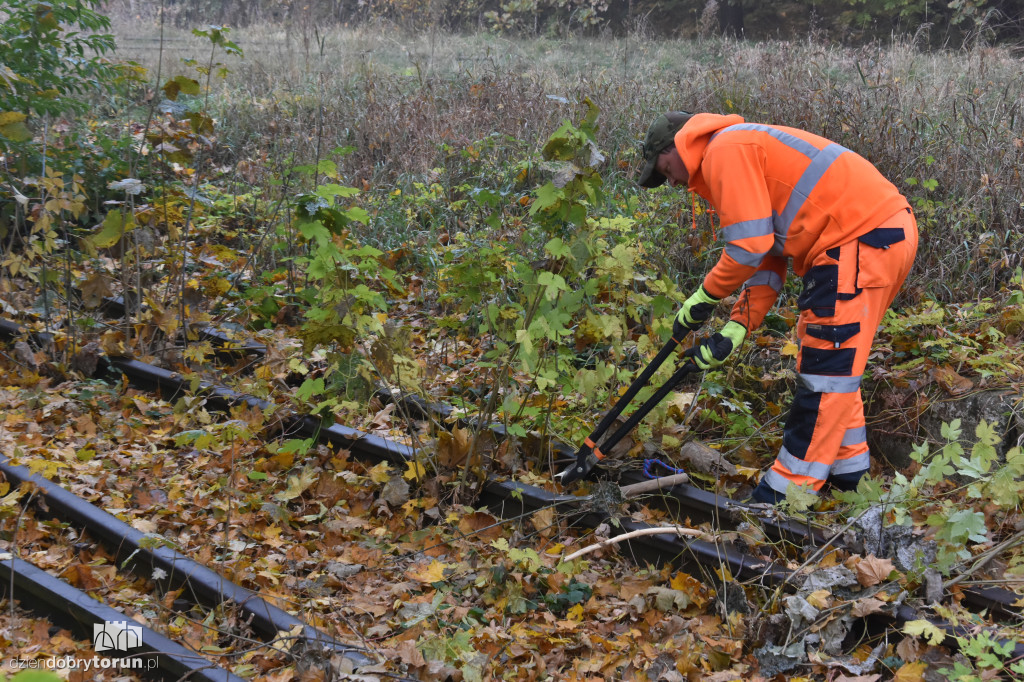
{"x":782,"y":193}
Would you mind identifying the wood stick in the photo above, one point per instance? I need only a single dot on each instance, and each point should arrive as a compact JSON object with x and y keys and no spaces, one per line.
{"x":654,"y":485}
{"x":678,"y":530}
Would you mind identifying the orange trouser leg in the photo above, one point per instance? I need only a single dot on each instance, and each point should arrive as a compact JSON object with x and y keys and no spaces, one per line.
{"x":846,"y":293}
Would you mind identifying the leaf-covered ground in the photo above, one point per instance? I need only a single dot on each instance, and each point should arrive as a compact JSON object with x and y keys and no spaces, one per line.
{"x":388,"y":560}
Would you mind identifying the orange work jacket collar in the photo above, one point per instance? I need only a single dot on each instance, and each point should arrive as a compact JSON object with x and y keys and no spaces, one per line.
{"x":693,"y":137}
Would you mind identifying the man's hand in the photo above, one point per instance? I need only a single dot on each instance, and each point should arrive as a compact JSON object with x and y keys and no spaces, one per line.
{"x":695,"y":311}
{"x":716,"y":349}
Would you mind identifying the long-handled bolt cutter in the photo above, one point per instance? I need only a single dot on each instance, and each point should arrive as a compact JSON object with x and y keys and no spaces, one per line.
{"x":589,"y":453}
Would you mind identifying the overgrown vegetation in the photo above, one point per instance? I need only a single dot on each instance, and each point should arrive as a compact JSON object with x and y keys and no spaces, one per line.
{"x":454,"y":216}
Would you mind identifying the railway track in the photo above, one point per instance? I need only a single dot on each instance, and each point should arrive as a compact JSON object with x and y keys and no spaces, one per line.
{"x":148,"y":653}
{"x":511,"y":499}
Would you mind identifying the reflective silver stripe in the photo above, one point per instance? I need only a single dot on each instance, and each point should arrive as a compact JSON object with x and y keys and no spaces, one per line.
{"x":748,"y":228}
{"x":855,"y":436}
{"x":820,"y":162}
{"x":764,"y":277}
{"x":802,"y":146}
{"x":801,"y":468}
{"x":744,"y":257}
{"x":819,"y":383}
{"x":861,"y":462}
{"x":778,"y":482}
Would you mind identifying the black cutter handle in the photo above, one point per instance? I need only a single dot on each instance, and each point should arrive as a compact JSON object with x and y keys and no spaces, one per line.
{"x":651,"y":403}
{"x":589,"y":454}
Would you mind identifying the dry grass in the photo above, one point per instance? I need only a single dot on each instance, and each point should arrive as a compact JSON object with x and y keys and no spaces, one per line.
{"x":410,"y":103}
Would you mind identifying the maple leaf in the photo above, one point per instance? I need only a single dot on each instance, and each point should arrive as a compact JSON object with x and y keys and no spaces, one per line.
{"x":409,"y":654}
{"x":925,"y":628}
{"x":297,"y":485}
{"x":144,"y":525}
{"x":429,"y":574}
{"x":453,"y":447}
{"x":866,"y":606}
{"x":414,"y":471}
{"x":480,"y":524}
{"x":666,"y":599}
{"x":953,"y":383}
{"x":543,"y":521}
{"x":911,"y":672}
{"x":819,"y":599}
{"x":380,"y":473}
{"x":909,"y":649}
{"x":872,"y":570}
{"x":94,"y":290}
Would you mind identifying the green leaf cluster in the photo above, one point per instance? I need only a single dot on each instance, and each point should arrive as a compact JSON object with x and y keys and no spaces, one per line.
{"x":958,"y":515}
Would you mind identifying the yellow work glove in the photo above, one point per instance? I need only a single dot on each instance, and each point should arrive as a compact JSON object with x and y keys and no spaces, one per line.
{"x":713,"y":351}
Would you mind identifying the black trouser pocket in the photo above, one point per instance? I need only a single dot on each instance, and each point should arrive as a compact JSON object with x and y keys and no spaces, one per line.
{"x":834,"y":333}
{"x":821,"y":285}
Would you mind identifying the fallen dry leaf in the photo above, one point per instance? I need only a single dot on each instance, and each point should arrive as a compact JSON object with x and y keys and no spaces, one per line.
{"x":480,"y":524}
{"x":410,"y":655}
{"x":909,"y":649}
{"x":866,"y":606}
{"x":872,"y":570}
{"x":953,"y":383}
{"x":453,"y":447}
{"x":428,"y":574}
{"x":911,"y":672}
{"x":543,"y":521}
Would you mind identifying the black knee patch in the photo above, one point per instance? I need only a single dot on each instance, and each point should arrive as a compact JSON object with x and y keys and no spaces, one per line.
{"x":803,"y":415}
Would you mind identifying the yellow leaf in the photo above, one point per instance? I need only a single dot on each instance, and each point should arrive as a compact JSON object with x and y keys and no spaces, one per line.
{"x":414,"y":471}
{"x":922,"y":627}
{"x":819,"y":599}
{"x":380,"y":473}
{"x":749,"y":472}
{"x":433,"y":573}
{"x":575,"y":613}
{"x":8,"y":117}
{"x":790,"y":349}
{"x":543,"y":521}
{"x":680,"y":403}
{"x":113,"y":228}
{"x":12,"y":126}
{"x":144,"y":525}
{"x":911,"y":672}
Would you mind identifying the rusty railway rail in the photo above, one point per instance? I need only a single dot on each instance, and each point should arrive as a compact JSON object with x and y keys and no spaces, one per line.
{"x":155,"y":657}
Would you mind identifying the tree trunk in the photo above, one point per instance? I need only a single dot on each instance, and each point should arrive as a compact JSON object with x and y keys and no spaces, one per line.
{"x":730,"y":18}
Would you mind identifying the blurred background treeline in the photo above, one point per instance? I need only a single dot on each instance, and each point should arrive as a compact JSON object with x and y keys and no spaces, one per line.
{"x":946,"y":23}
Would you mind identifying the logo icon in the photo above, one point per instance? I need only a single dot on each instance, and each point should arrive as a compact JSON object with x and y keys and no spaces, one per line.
{"x":117,"y":636}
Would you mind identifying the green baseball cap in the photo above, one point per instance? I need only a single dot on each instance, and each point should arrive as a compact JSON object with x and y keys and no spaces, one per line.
{"x":660,"y":136}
